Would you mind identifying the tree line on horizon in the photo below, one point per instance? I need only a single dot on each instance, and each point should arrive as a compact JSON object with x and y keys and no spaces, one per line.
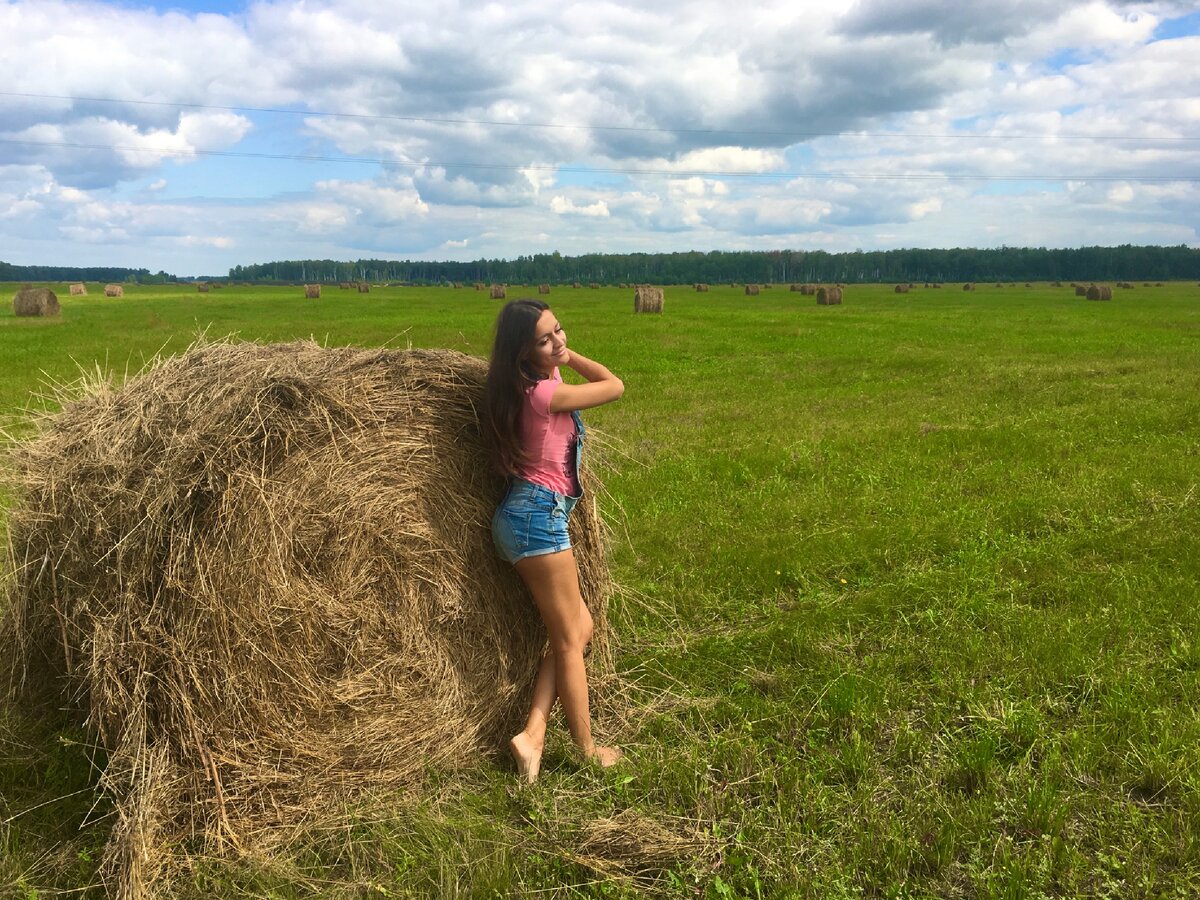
{"x":1125,"y":262}
{"x":773,"y":266}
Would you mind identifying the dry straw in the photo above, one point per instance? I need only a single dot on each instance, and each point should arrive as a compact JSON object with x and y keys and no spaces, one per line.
{"x":35,"y":301}
{"x":78,"y":290}
{"x":752,"y":290}
{"x":647,"y":299}
{"x":312,"y":291}
{"x":114,"y":290}
{"x":701,"y":288}
{"x":202,"y":288}
{"x":829,"y":296}
{"x":902,"y":289}
{"x":499,"y":292}
{"x":968,"y":287}
{"x":1080,"y":290}
{"x":364,"y":288}
{"x":1099,"y":292}
{"x":543,"y":288}
{"x":263,"y":575}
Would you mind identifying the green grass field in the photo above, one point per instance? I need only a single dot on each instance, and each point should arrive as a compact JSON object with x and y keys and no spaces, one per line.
{"x":910,"y":602}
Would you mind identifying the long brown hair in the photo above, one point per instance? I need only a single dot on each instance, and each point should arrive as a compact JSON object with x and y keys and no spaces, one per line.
{"x":508,"y":378}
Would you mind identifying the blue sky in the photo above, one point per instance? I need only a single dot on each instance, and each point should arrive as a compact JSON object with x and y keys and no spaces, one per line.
{"x":194,"y":136}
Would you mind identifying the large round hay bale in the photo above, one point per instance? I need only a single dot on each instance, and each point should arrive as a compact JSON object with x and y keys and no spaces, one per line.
{"x":263,"y":575}
{"x":902,"y":289}
{"x":752,"y":290}
{"x":1099,"y":292}
{"x":312,"y":292}
{"x":114,"y":290}
{"x":701,"y":288}
{"x":543,"y":288}
{"x":35,"y":301}
{"x":499,"y":292}
{"x":364,"y":288}
{"x":1080,"y":290}
{"x":647,"y":299}
{"x":829,"y":296}
{"x":78,"y":290}
{"x":968,"y":287}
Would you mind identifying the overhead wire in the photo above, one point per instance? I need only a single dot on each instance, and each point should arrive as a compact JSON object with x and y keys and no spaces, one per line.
{"x":607,"y":170}
{"x":715,"y":132}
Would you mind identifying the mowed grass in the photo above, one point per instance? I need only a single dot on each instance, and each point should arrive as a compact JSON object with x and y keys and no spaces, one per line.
{"x":909,"y":602}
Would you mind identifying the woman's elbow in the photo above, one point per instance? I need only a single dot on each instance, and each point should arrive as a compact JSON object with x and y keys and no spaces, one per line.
{"x":618,"y":388}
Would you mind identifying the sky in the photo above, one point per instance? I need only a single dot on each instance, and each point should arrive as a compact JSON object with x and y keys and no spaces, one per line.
{"x":191,"y":137}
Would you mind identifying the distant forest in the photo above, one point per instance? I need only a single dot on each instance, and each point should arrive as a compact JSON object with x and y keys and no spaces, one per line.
{"x":1126,"y":262}
{"x":109,"y":274}
{"x":774,"y":266}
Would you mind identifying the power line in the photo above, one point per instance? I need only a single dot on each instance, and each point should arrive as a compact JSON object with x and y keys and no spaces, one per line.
{"x":603,"y":170}
{"x":713,"y":132}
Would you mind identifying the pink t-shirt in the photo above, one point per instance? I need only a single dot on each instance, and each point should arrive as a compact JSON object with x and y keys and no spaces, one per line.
{"x":548,"y":439}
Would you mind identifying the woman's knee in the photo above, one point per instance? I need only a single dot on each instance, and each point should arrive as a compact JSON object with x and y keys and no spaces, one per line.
{"x":574,"y":637}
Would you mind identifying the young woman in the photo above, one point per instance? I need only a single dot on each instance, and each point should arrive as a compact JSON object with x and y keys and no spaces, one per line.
{"x":538,"y":436}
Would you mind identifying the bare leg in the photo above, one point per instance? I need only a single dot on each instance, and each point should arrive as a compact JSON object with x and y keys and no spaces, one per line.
{"x":526,"y":747}
{"x":553,"y":579}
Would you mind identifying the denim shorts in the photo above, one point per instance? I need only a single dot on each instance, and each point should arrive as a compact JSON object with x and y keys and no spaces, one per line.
{"x":531,"y":520}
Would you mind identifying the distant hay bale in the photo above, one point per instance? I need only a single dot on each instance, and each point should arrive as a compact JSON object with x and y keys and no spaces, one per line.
{"x":752,"y":290}
{"x":114,"y":290}
{"x":647,"y":299}
{"x":479,"y":285}
{"x":794,"y":287}
{"x":999,"y":285}
{"x":1056,"y":284}
{"x":35,"y":301}
{"x":364,"y":288}
{"x":576,"y":285}
{"x":901,"y":289}
{"x":968,"y":286}
{"x":595,"y":285}
{"x":78,"y":290}
{"x":499,"y":292}
{"x":457,"y":285}
{"x":343,"y":285}
{"x":808,"y":290}
{"x":829,"y":296}
{"x":202,"y":288}
{"x":1158,"y":284}
{"x":312,"y":291}
{"x":1028,"y":285}
{"x":1099,"y":292}
{"x":283,"y":594}
{"x":543,"y":288}
{"x":701,"y":288}
{"x":1080,"y":290}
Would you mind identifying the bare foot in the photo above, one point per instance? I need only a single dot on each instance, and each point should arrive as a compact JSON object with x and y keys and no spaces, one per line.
{"x":605,"y":756}
{"x":528,"y":756}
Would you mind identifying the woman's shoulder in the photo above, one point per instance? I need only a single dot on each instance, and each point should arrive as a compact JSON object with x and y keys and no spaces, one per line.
{"x":540,"y":392}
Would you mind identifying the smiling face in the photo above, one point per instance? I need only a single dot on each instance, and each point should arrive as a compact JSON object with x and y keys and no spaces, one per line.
{"x":549,"y":344}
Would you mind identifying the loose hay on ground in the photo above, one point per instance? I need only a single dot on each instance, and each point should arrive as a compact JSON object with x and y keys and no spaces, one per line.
{"x":264,"y":576}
